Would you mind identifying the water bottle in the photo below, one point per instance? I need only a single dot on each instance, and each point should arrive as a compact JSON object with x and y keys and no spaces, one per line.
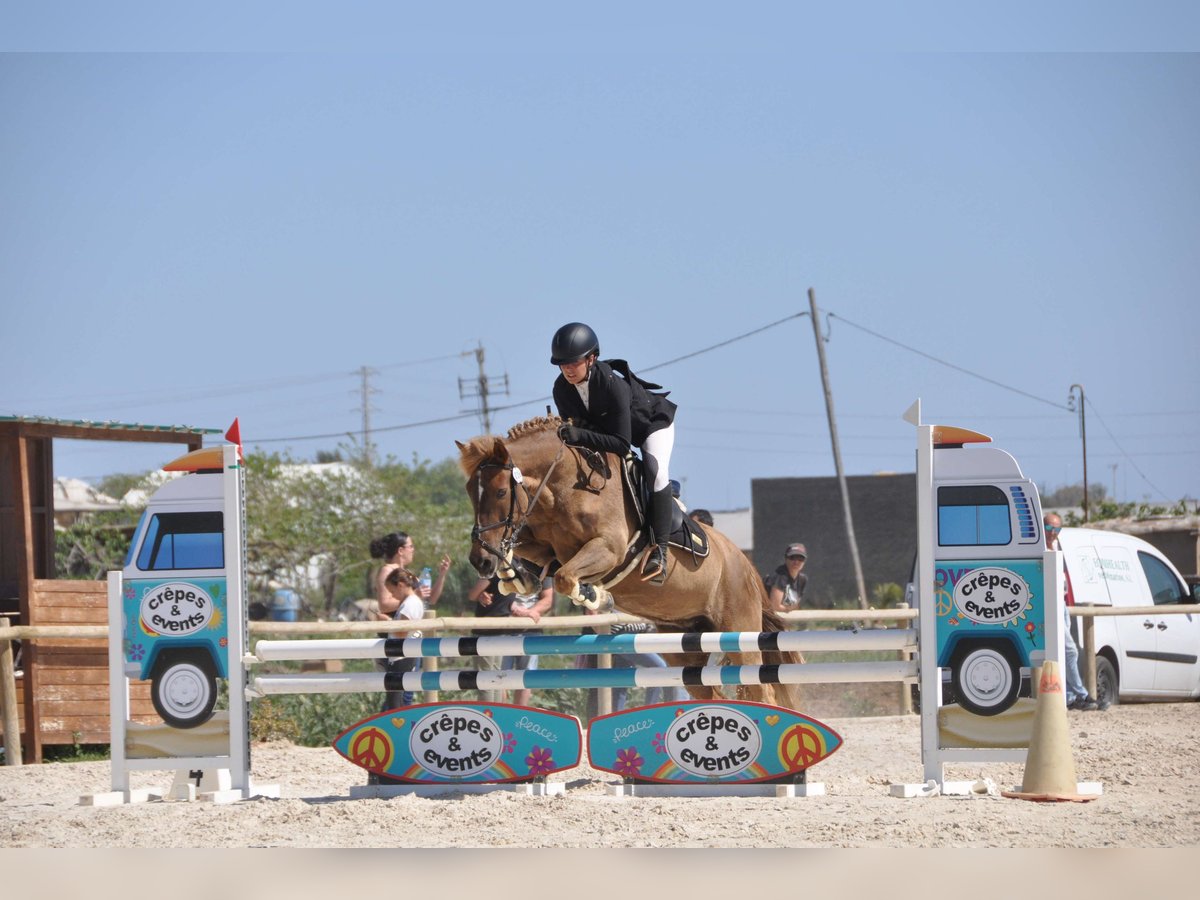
{"x":425,"y":580}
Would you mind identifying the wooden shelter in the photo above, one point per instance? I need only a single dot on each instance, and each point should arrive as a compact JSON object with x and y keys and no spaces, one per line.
{"x":63,"y":692}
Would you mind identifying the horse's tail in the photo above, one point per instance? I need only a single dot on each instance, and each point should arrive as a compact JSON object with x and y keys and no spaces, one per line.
{"x":789,"y":695}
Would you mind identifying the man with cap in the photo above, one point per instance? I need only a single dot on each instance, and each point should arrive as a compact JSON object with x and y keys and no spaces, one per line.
{"x":785,"y":586}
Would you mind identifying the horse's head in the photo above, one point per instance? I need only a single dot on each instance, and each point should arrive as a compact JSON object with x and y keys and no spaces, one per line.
{"x":492,"y":484}
{"x":496,"y":487}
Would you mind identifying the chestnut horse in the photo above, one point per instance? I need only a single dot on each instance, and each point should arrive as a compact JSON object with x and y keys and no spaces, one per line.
{"x":539,"y":499}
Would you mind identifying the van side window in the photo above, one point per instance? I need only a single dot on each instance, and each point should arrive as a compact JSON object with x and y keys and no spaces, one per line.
{"x":188,"y":540}
{"x":1164,"y":586}
{"x":973,"y":515}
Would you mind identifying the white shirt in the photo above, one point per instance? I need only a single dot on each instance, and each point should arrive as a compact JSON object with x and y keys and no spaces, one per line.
{"x":413,"y":609}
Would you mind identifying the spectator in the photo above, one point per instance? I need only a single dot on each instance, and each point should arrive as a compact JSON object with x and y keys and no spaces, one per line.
{"x":398,"y":549}
{"x":490,"y":602}
{"x":400,"y":601}
{"x":1074,"y":691}
{"x":702,"y":516}
{"x":785,"y":586}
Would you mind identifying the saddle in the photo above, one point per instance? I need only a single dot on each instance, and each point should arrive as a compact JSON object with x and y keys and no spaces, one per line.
{"x":686,"y":534}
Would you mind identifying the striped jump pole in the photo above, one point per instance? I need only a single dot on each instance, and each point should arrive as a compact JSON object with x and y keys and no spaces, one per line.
{"x":588,"y":644}
{"x":552,"y":679}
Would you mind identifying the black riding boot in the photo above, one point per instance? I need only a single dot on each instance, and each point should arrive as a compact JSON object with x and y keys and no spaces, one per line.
{"x":659,"y":519}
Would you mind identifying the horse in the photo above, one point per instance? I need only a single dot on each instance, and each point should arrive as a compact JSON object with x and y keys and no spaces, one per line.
{"x":552,"y":501}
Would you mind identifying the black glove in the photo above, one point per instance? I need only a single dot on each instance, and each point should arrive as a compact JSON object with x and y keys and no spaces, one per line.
{"x":572,"y":434}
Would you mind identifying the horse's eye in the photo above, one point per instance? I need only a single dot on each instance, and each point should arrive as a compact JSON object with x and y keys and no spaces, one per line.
{"x":500,"y":494}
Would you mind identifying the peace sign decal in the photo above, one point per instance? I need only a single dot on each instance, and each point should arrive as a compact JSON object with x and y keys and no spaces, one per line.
{"x":371,"y":748}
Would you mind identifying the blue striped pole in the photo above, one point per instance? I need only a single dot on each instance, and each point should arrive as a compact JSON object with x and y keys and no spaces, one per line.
{"x":551,"y":679}
{"x":589,"y":644}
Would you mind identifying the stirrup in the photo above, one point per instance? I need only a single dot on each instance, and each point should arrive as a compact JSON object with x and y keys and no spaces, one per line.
{"x":655,"y":569}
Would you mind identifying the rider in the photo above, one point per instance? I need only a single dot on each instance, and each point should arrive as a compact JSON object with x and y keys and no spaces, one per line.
{"x":612,"y":409}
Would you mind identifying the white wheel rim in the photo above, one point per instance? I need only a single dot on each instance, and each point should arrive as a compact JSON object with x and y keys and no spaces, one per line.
{"x":184,"y":690}
{"x":985,"y":677}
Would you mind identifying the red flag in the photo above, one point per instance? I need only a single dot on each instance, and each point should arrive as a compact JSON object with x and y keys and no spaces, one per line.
{"x":234,"y":435}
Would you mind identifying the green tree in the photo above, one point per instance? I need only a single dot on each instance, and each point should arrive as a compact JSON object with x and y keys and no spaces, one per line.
{"x":298,"y":516}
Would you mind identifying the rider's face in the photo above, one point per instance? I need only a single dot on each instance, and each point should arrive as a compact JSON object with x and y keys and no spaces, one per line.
{"x":576,"y":372}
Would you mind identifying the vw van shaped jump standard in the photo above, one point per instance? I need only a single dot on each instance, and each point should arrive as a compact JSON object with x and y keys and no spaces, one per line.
{"x":175,"y":600}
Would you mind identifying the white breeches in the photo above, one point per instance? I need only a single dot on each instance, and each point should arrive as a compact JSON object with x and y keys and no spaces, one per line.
{"x":658,"y":446}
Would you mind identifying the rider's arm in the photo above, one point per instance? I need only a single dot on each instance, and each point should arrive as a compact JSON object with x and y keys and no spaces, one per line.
{"x":608,"y":426}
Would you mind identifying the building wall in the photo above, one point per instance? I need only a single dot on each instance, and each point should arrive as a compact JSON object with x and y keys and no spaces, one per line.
{"x":884,"y":509}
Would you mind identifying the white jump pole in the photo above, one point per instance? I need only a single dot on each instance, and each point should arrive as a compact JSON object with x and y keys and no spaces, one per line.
{"x":540,"y":645}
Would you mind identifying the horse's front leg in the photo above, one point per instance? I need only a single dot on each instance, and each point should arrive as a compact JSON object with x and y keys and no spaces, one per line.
{"x":594,"y":559}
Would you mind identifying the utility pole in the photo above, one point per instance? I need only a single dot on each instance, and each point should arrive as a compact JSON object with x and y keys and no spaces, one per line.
{"x":837,"y":451}
{"x":482,"y":389}
{"x":1113,"y":466}
{"x":1083,"y":435}
{"x":366,"y":391}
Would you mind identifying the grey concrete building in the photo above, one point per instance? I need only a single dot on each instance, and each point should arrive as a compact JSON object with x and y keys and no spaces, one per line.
{"x":884,"y":509}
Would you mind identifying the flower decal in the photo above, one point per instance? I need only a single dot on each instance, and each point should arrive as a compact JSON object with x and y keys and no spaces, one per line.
{"x":540,"y":761}
{"x":137,"y":652}
{"x":224,"y":642}
{"x":629,"y":762}
{"x":129,"y":594}
{"x":659,"y":742}
{"x":510,"y":742}
{"x":1030,"y":630}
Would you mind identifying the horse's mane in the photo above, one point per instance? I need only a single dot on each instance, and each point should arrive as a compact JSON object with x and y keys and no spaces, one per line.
{"x":489,"y":446}
{"x":533,"y":426}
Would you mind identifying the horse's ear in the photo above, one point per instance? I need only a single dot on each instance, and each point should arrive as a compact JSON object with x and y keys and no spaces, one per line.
{"x":461,"y":446}
{"x":499,"y":450}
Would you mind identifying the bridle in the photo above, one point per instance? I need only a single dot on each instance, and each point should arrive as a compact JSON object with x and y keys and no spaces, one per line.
{"x":512,"y":525}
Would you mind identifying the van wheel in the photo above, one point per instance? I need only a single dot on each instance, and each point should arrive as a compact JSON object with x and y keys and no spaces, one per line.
{"x":1107,"y":686}
{"x":183,"y":689}
{"x":986,"y":677}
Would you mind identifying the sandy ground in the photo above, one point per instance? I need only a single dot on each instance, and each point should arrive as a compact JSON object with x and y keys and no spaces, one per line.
{"x":1147,"y":757}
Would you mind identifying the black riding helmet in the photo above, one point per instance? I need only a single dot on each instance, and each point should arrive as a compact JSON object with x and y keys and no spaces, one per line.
{"x":572,"y":343}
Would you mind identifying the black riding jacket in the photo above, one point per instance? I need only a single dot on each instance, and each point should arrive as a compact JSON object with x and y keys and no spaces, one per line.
{"x":621,"y":410}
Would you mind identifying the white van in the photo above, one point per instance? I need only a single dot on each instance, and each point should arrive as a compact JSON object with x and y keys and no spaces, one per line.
{"x":1137,"y":656}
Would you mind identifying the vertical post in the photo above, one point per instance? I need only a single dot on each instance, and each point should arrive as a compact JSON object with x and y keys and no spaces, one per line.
{"x":8,"y":697}
{"x":837,"y":451}
{"x":429,"y":663}
{"x":118,"y":688}
{"x":604,"y":694}
{"x":930,"y":677}
{"x":365,"y":374}
{"x":1083,"y":436}
{"x":235,"y":609}
{"x":1087,"y":654}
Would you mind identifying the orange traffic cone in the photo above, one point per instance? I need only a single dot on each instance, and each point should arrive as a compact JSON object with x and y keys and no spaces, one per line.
{"x":1049,"y":767}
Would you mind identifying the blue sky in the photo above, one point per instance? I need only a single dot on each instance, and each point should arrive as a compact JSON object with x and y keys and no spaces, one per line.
{"x":187,"y":236}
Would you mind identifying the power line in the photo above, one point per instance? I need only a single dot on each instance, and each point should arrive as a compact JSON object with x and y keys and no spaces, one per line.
{"x":950,"y":365}
{"x":1126,"y":456}
{"x":725,"y":343}
{"x":455,"y":418}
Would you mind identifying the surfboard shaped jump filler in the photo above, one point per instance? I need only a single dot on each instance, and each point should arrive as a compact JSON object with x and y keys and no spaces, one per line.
{"x":700,"y":742}
{"x":463,"y":743}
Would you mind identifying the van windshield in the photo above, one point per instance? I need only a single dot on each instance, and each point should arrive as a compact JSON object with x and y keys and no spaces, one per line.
{"x":973,"y":515}
{"x":191,"y":540}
